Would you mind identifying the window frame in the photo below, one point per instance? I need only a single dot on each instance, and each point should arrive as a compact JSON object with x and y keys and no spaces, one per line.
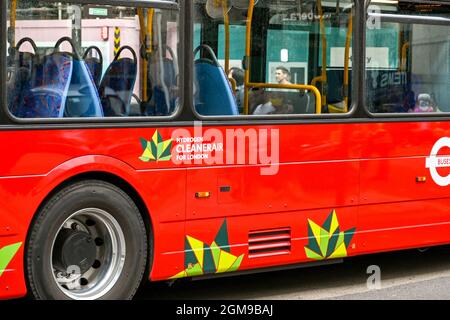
{"x":405,"y":19}
{"x":157,"y":4}
{"x":186,"y":115}
{"x":355,"y":93}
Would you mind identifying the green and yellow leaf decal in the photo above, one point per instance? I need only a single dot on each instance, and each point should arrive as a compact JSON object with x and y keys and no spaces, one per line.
{"x":156,"y":149}
{"x":328,"y":241}
{"x":7,"y":254}
{"x":200,"y":258}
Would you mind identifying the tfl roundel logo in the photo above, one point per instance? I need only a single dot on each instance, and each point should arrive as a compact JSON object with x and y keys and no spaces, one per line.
{"x":434,"y":161}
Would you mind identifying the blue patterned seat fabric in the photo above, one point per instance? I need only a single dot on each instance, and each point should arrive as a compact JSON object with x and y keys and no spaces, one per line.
{"x":170,"y":81}
{"x":116,"y":87}
{"x":54,"y":86}
{"x":94,"y":64}
{"x":95,"y":68}
{"x":50,"y":79}
{"x":83,"y":99}
{"x":20,"y":67}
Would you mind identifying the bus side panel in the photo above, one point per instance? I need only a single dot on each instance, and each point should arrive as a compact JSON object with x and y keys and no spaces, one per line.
{"x":315,"y":183}
{"x":236,"y":236}
{"x":164,"y":193}
{"x":168,"y":256}
{"x":401,"y":206}
{"x":12,"y":281}
{"x":317,"y":167}
{"x":411,"y":224}
{"x":12,"y":235}
{"x":242,"y":190}
{"x":16,"y":210}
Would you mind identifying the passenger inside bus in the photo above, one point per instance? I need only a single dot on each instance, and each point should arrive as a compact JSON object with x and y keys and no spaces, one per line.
{"x":306,"y":41}
{"x":237,"y":75}
{"x":282,"y":75}
{"x":267,"y":102}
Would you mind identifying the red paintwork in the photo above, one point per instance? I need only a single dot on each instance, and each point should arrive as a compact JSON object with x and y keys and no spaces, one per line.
{"x":366,"y":172}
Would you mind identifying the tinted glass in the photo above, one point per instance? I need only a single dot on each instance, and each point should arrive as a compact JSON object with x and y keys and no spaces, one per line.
{"x":71,"y":60}
{"x":295,"y":47}
{"x":408,"y":58}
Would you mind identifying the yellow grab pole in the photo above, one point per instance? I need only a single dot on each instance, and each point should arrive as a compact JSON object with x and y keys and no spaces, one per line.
{"x":248,"y":84}
{"x":145,"y":33}
{"x":347,"y":59}
{"x":13,"y":21}
{"x":233,"y":84}
{"x":144,"y":62}
{"x":150,"y":15}
{"x":140,"y":13}
{"x":400,"y":43}
{"x":315,"y":80}
{"x":227,"y":36}
{"x":324,"y":52}
{"x":404,"y":59}
{"x":247,"y":53}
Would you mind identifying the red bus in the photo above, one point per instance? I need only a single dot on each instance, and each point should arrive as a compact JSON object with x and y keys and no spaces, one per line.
{"x":158,"y":140}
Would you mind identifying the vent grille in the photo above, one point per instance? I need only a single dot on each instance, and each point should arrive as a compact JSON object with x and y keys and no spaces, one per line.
{"x":270,"y":242}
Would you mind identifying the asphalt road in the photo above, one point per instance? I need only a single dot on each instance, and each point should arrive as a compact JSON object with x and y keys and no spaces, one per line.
{"x":403,"y":275}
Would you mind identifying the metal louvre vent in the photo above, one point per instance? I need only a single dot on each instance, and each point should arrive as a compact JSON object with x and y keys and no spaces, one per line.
{"x":270,"y":242}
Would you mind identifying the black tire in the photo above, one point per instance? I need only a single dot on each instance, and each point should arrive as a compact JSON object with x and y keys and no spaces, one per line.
{"x":94,"y":208}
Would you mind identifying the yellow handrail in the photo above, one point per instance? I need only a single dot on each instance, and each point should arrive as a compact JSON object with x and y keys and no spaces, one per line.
{"x":315,"y":80}
{"x":233,"y":84}
{"x":150,"y":15}
{"x":323,"y":77}
{"x":146,"y":32}
{"x":144,"y":62}
{"x":400,"y":43}
{"x":248,"y":84}
{"x":227,"y":36}
{"x":292,"y":86}
{"x":403,"y":61}
{"x":140,"y":12}
{"x":347,"y":59}
{"x":13,"y":21}
{"x":247,"y":53}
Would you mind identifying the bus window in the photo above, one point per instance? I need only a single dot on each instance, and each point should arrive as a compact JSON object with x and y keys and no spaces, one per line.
{"x":69,"y":60}
{"x":407,"y":58}
{"x":297,"y":57}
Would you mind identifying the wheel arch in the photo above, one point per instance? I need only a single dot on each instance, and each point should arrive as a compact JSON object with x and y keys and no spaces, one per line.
{"x":116,"y":180}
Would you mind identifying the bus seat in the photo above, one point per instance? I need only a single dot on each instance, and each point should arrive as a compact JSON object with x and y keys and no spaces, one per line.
{"x":157,"y":87}
{"x":49,"y":87}
{"x":214,"y":94}
{"x":94,"y":63}
{"x":170,"y":74}
{"x":82,"y":98}
{"x":20,"y":65}
{"x":116,"y":87}
{"x":335,"y":90}
{"x":170,"y":81}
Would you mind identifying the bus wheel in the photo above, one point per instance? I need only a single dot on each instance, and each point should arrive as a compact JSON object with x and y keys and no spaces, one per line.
{"x":87,"y":242}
